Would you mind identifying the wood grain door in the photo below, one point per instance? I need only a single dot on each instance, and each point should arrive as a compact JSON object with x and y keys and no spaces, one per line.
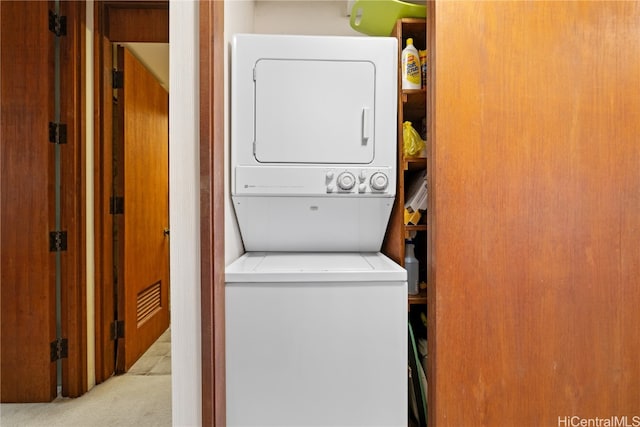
{"x":27,"y":204}
{"x":534,"y":213}
{"x":143,"y":172}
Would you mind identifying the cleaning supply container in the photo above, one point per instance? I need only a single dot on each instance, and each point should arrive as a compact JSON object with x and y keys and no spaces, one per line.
{"x":377,"y":17}
{"x":411,"y":72}
{"x":412,"y":265}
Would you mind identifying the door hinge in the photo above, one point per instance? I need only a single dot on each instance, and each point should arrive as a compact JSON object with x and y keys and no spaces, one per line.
{"x":57,"y":241}
{"x":57,"y":133}
{"x":116,"y":205}
{"x":59,"y":349}
{"x":57,"y":24}
{"x":117,"y":79}
{"x":117,"y":329}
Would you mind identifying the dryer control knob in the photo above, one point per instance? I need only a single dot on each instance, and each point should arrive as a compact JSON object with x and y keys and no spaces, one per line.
{"x":379,"y":181}
{"x":329,"y":188}
{"x":362,"y":188}
{"x":346,"y":181}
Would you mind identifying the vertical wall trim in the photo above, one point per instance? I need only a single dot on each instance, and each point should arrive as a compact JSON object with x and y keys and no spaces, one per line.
{"x":212,"y":137}
{"x":184,"y":214}
{"x":90,"y":251}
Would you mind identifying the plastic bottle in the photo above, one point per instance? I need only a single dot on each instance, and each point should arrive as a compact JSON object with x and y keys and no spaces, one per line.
{"x":412,"y":265}
{"x":411,"y":73}
{"x":423,"y":67}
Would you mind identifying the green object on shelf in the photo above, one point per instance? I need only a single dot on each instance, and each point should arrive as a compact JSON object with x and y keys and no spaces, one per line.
{"x":377,"y":17}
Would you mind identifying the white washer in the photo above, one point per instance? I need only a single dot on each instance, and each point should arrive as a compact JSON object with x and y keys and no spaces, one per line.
{"x":316,"y":339}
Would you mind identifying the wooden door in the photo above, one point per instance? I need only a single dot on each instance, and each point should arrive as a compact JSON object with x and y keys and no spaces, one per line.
{"x":27,"y":204}
{"x":535,"y":213}
{"x":143,"y":241}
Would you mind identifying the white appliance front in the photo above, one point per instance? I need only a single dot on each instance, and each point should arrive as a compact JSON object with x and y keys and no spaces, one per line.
{"x":313,"y":117}
{"x":316,"y":339}
{"x":303,"y":116}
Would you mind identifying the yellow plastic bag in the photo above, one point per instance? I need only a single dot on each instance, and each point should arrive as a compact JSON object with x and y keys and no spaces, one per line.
{"x":412,"y":143}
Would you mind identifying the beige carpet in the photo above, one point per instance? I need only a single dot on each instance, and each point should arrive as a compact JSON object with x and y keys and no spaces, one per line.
{"x":140,"y":398}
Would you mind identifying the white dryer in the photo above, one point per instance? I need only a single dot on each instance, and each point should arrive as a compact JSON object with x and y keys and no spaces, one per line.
{"x":313,"y":130}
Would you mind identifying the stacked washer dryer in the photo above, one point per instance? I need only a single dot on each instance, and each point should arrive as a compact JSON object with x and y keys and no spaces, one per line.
{"x":316,"y":317}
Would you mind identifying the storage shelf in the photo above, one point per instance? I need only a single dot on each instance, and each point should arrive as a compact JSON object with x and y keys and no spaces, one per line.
{"x":407,"y":93}
{"x":415,"y":101}
{"x":420,"y":298}
{"x":415,"y":163}
{"x":412,"y":107}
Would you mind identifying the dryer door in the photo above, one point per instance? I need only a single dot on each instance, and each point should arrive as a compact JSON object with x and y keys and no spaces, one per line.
{"x":314,"y":111}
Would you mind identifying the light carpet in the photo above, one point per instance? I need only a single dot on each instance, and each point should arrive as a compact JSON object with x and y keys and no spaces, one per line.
{"x":140,"y":398}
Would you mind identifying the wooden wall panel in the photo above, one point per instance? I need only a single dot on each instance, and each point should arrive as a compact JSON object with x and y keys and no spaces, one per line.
{"x":27,"y":204}
{"x":136,"y":21}
{"x":535,"y":212}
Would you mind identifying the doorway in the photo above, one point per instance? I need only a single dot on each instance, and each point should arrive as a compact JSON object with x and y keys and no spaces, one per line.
{"x":131,"y":186}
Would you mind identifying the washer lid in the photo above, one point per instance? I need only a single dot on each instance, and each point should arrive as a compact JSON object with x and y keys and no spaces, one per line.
{"x":271,"y":267}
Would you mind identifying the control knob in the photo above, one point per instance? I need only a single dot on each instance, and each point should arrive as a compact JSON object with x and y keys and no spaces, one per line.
{"x":379,"y":181}
{"x":346,"y":181}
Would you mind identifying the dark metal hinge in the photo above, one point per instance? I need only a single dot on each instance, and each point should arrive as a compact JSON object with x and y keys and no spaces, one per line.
{"x":116,"y":205}
{"x":57,"y":241}
{"x":59,"y":349}
{"x":57,"y":133}
{"x":117,"y":79}
{"x":117,"y":329}
{"x":57,"y":24}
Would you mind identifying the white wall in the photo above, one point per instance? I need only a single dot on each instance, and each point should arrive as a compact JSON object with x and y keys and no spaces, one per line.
{"x":184,"y":214}
{"x":322,"y":17}
{"x":238,"y":18}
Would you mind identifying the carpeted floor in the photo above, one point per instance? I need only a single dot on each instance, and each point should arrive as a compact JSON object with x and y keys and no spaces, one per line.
{"x":140,"y":398}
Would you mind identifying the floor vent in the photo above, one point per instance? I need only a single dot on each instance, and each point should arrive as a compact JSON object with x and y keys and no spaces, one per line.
{"x":148,"y":303}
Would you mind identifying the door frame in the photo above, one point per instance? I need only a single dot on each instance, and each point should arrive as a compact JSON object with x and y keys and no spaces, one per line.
{"x":114,"y":21}
{"x":74,"y":269}
{"x":212,"y":146}
{"x":212,"y":200}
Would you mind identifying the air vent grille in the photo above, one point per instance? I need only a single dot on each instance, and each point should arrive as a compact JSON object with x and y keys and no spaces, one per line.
{"x":148,"y":302}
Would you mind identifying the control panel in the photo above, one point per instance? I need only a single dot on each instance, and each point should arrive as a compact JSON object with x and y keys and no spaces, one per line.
{"x":356,"y":181}
{"x":300,"y":180}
